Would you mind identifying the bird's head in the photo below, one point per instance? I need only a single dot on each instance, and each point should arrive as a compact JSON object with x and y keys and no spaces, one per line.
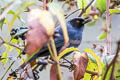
{"x":79,"y":22}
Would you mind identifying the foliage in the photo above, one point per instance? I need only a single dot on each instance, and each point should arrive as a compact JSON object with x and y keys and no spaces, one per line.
{"x":86,"y":65}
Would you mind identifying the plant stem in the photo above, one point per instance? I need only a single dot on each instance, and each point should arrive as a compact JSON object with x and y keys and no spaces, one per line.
{"x":51,"y":52}
{"x":108,"y":39}
{"x":56,"y":58}
{"x":83,"y":11}
{"x":8,"y":69}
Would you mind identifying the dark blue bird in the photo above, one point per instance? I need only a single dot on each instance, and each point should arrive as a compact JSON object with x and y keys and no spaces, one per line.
{"x":75,"y":28}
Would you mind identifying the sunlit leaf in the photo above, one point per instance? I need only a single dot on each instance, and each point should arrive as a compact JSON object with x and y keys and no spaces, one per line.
{"x":57,"y":11}
{"x":108,"y":73}
{"x":53,"y":72}
{"x":97,"y":60}
{"x":82,"y":4}
{"x":4,"y":55}
{"x":117,"y":69}
{"x":101,"y":4}
{"x":10,"y":78}
{"x":80,"y":61}
{"x":21,"y":8}
{"x":67,"y":50}
{"x":14,"y":41}
{"x":102,"y":36}
{"x":113,"y":11}
{"x":6,"y":21}
{"x":8,"y":47}
{"x":91,"y":67}
{"x":13,"y":13}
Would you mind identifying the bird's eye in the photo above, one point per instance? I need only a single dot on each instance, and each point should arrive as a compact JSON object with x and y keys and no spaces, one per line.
{"x":77,"y":21}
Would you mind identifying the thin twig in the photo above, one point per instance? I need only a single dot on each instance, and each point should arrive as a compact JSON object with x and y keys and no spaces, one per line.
{"x":71,"y":13}
{"x":86,"y":8}
{"x":10,"y":43}
{"x":7,"y":69}
{"x":113,"y":60}
{"x":66,"y":66}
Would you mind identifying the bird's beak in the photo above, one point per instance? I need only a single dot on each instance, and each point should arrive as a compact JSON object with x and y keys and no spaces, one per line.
{"x":87,"y":20}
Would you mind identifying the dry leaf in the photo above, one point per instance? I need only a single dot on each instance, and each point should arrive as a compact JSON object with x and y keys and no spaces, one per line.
{"x":41,"y":27}
{"x":80,"y":61}
{"x":53,"y":72}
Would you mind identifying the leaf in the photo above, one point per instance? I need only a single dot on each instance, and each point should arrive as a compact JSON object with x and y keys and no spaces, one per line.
{"x":114,"y":11}
{"x":102,"y":36}
{"x":56,"y":10}
{"x":4,"y":55}
{"x":91,"y":67}
{"x":10,"y":78}
{"x":99,"y":63}
{"x":41,"y":31}
{"x":80,"y":61}
{"x":21,"y":8}
{"x":67,"y":50}
{"x":1,"y":21}
{"x":13,"y":13}
{"x":6,"y":21}
{"x":82,"y":4}
{"x":101,"y":4}
{"x":117,"y":69}
{"x":53,"y":72}
{"x":108,"y":73}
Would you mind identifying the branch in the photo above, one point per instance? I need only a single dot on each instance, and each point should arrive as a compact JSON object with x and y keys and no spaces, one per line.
{"x":86,"y":8}
{"x":113,"y":60}
{"x":9,"y":43}
{"x":71,"y":13}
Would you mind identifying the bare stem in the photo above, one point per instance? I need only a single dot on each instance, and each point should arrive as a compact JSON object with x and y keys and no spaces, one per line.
{"x":55,"y":55}
{"x":108,"y":40}
{"x":71,"y":13}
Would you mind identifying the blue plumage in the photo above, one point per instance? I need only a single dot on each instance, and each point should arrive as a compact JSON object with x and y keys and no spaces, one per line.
{"x":75,"y":28}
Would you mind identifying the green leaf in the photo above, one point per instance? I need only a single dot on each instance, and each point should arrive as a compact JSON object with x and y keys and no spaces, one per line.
{"x":114,"y":11}
{"x":67,"y":50}
{"x":13,"y":13}
{"x":99,"y":63}
{"x":57,"y":11}
{"x":117,"y":69}
{"x":82,"y":4}
{"x":101,"y":4}
{"x":4,"y":55}
{"x":6,"y":21}
{"x":1,"y":21}
{"x":102,"y":36}
{"x":108,"y":74}
{"x":91,"y":67}
{"x":21,"y":8}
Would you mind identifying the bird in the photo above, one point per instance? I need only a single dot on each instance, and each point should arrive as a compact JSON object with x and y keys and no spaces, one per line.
{"x":75,"y":27}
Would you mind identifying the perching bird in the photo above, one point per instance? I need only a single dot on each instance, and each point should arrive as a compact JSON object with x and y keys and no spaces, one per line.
{"x":75,"y":28}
